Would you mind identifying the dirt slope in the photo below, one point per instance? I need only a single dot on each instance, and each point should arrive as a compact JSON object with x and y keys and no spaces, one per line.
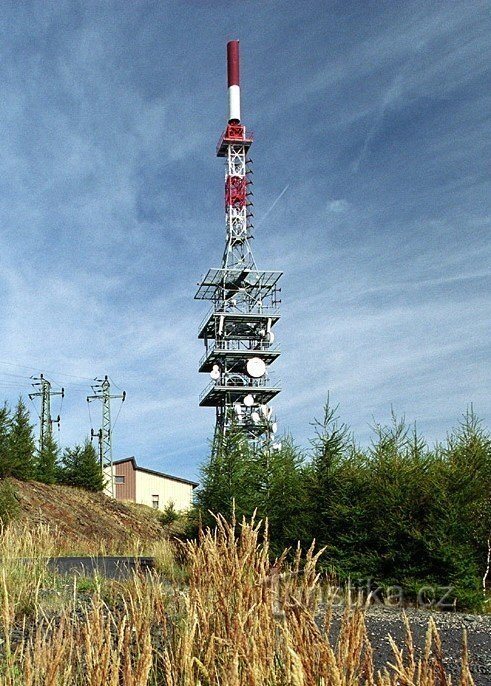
{"x":90,"y":521}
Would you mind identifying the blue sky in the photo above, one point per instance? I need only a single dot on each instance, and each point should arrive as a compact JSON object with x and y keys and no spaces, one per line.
{"x":375,"y":119}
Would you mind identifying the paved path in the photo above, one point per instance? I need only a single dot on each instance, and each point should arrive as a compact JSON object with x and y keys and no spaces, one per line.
{"x":110,"y":567}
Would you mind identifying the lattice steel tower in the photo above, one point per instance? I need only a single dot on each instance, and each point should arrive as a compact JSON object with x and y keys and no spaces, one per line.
{"x":238,"y":331}
{"x":102,"y":392}
{"x":45,"y":420}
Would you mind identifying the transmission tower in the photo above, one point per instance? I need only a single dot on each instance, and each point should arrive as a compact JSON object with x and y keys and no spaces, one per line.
{"x":102,"y":392}
{"x":238,"y":331}
{"x":45,"y":420}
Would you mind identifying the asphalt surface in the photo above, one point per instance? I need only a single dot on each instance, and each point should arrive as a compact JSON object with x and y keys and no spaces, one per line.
{"x":109,"y":567}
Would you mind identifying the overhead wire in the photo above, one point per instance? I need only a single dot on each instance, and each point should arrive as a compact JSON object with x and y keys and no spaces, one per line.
{"x":48,"y":371}
{"x":16,"y":381}
{"x":117,"y":417}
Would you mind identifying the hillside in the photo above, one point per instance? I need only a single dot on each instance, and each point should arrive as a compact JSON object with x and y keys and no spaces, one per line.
{"x":89,"y":522}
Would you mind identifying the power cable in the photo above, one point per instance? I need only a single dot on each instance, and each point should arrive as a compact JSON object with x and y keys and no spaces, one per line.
{"x":117,"y":417}
{"x":47,"y":371}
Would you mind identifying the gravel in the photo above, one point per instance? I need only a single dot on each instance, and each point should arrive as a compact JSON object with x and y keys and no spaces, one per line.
{"x":382,"y":621}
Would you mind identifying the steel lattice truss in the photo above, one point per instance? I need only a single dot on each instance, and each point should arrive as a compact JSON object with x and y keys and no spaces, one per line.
{"x":238,"y":330}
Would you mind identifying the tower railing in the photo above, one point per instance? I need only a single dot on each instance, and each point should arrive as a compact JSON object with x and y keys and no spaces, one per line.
{"x":263,"y":311}
{"x":254,"y":383}
{"x":223,"y":345}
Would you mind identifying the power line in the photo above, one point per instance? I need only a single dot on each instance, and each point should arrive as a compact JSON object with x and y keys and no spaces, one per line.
{"x":48,"y":371}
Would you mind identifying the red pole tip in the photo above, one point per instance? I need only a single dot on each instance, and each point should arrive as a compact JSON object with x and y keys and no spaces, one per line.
{"x":233,"y":73}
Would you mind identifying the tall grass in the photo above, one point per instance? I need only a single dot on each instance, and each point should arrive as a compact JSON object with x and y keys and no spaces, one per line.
{"x":238,"y":620}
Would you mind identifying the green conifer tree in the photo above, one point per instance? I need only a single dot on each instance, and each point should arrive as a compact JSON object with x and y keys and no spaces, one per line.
{"x":283,"y":493}
{"x":47,"y":461}
{"x":330,"y":448}
{"x":80,"y":467}
{"x":228,"y":479}
{"x":5,"y":458}
{"x":21,"y":443}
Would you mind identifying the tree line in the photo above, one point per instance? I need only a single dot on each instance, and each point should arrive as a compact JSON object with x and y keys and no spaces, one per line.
{"x":397,"y":512}
{"x":21,"y":459}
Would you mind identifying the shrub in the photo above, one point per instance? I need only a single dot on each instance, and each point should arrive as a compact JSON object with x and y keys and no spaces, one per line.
{"x":169,"y":514}
{"x":9,"y":502}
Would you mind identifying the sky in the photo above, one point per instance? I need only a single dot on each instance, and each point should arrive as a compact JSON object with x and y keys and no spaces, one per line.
{"x":371,"y":194}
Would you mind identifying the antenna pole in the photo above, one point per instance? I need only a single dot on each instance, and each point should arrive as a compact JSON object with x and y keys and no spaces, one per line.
{"x":45,"y":420}
{"x":238,"y":332}
{"x":102,"y":392}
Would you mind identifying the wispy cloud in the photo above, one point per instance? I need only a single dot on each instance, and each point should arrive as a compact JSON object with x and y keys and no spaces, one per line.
{"x":111,"y":207}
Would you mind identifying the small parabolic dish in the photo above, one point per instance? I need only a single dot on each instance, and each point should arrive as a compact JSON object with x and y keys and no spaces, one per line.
{"x":266,"y":411}
{"x":270,"y":337}
{"x":274,"y":427}
{"x":215,"y":372}
{"x":238,"y":409}
{"x":256,"y":417}
{"x":256,"y":367}
{"x":249,"y":400}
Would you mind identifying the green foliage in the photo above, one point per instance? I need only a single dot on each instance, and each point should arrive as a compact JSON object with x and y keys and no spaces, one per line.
{"x":80,"y":467}
{"x":9,"y":502}
{"x":21,"y":446}
{"x":281,"y":493}
{"x":395,"y":513}
{"x":169,"y":514}
{"x":47,"y":461}
{"x":5,"y":456}
{"x":227,"y":479}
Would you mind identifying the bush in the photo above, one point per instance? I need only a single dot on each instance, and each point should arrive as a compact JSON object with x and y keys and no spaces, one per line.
{"x":9,"y":502}
{"x":169,"y":514}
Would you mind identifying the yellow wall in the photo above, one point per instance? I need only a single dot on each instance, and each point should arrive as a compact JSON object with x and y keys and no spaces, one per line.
{"x":168,"y":490}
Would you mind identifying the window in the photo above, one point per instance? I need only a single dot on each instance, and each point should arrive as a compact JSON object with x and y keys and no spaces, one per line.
{"x":155,"y":502}
{"x":119,"y":479}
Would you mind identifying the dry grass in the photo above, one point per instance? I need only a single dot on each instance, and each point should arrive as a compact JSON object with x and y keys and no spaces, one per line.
{"x":86,"y":523}
{"x":239,"y":620}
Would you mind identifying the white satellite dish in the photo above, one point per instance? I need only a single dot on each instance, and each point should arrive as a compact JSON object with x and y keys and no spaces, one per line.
{"x":249,"y":400}
{"x":215,"y":372}
{"x":256,"y":367}
{"x":256,"y":417}
{"x":238,"y":409}
{"x":270,"y":337}
{"x":266,"y":411}
{"x":274,"y":427}
{"x":262,"y":332}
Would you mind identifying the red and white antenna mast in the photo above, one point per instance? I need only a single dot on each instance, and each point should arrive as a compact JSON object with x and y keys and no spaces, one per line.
{"x":238,"y":332}
{"x":233,"y":78}
{"x":234,"y":146}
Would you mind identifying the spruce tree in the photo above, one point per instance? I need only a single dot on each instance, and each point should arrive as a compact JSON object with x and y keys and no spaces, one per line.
{"x":80,"y":467}
{"x":330,"y":447}
{"x":47,"y":461}
{"x":228,"y":479}
{"x":21,"y":444}
{"x":5,"y":457}
{"x":283,"y":494}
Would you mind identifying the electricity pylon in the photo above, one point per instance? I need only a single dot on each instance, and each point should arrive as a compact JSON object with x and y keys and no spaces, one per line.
{"x":102,"y":392}
{"x":46,"y":422}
